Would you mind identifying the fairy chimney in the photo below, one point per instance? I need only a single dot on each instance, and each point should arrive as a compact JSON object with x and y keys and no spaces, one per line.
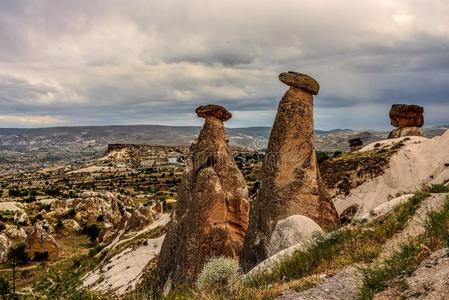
{"x":211,"y":215}
{"x":291,"y":186}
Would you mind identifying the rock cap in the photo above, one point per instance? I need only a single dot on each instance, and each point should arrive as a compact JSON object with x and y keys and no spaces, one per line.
{"x":406,"y":115}
{"x":300,"y":81}
{"x":214,"y":110}
{"x":355,"y":142}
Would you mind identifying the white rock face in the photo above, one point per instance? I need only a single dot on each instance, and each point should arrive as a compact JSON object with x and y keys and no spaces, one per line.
{"x":123,"y":272}
{"x":268,"y":264}
{"x":70,"y":226}
{"x":291,"y":231}
{"x":5,"y":244}
{"x":387,"y":206}
{"x":88,"y":206}
{"x":15,"y":233}
{"x":10,"y":205}
{"x":420,"y":161}
{"x":21,"y":217}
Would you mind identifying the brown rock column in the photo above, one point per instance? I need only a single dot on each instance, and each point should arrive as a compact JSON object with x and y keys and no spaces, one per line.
{"x":408,"y":119}
{"x":291,"y":183}
{"x":355,"y":144}
{"x":211,"y":214}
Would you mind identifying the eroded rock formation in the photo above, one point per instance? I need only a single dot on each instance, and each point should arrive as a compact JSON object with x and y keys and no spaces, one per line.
{"x":211,"y":214}
{"x":5,"y":244}
{"x":355,"y":144}
{"x":130,"y":222}
{"x":40,"y":241}
{"x":291,"y":183}
{"x":408,"y":119}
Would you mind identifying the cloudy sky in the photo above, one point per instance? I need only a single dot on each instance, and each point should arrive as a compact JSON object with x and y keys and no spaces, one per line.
{"x":102,"y":62}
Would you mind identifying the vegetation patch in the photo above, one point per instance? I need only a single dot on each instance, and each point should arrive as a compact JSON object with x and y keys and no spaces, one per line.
{"x":438,"y":188}
{"x":324,"y":254}
{"x":407,"y":259}
{"x":349,"y":170}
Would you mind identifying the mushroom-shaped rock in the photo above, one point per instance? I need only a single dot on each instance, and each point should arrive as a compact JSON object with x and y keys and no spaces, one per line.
{"x":212,"y":210}
{"x":213,"y":110}
{"x":290,"y":183}
{"x":406,"y":115}
{"x":300,"y":81}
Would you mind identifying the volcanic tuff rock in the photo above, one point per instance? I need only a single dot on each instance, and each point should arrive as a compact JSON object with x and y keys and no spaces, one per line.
{"x":408,"y":119}
{"x":21,"y":217}
{"x":5,"y":244}
{"x":291,"y":182}
{"x":355,"y":144}
{"x":88,"y":206}
{"x":40,"y":241}
{"x":405,"y":131}
{"x":211,"y":214}
{"x":16,"y":234}
{"x":130,"y":222}
{"x":405,"y":115}
{"x":300,"y":81}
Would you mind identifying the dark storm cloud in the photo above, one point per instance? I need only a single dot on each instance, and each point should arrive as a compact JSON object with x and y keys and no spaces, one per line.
{"x":104,"y":62}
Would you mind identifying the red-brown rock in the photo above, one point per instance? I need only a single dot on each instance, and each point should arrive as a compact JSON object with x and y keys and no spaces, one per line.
{"x":40,"y":241}
{"x":212,"y":210}
{"x":405,"y":115}
{"x":291,"y":183}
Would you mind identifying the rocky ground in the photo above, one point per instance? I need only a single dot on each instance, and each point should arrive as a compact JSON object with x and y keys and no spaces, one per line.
{"x":102,"y":225}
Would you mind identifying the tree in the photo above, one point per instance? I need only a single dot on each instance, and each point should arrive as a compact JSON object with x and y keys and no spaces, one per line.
{"x":18,"y":254}
{"x":5,"y":289}
{"x":92,"y":231}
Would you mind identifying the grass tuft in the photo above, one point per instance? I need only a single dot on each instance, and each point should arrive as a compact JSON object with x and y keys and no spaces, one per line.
{"x":407,"y":259}
{"x":438,"y":188}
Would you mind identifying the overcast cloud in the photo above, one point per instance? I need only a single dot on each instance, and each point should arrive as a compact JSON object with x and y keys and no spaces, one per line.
{"x":152,"y":62}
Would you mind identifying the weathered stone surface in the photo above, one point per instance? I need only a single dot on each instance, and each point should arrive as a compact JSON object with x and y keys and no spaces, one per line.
{"x":130,"y":222}
{"x":355,"y":144}
{"x":15,"y":233}
{"x":300,"y":81}
{"x":140,"y":218}
{"x":405,"y":115}
{"x":212,"y":210}
{"x":291,"y":182}
{"x":40,"y":241}
{"x":88,"y":206}
{"x":291,"y":231}
{"x":5,"y":244}
{"x":405,"y":131}
{"x":70,"y":226}
{"x":21,"y":217}
{"x":216,"y":111}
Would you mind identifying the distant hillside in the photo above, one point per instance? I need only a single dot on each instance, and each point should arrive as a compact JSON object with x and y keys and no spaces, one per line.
{"x":38,"y":147}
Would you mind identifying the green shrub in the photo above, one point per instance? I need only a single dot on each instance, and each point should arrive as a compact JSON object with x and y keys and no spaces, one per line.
{"x":92,"y":231}
{"x":59,"y":225}
{"x":322,"y":156}
{"x":438,"y":188}
{"x":61,"y":285}
{"x":218,"y":274}
{"x":40,"y":256}
{"x":403,"y":262}
{"x":5,"y":289}
{"x":18,"y":254}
